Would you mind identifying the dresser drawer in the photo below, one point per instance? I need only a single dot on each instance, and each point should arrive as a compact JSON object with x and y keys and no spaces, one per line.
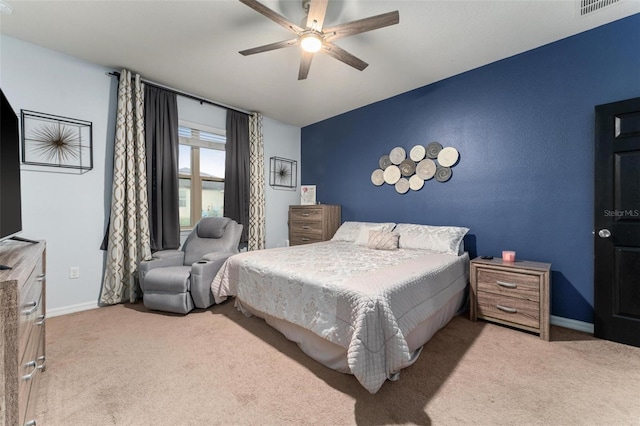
{"x":510,"y":284}
{"x":306,"y":228}
{"x":30,"y":305}
{"x":510,"y":309}
{"x":297,"y":239}
{"x":307,"y":214}
{"x":28,"y":369}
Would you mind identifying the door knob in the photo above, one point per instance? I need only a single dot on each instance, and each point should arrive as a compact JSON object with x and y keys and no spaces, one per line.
{"x":604,"y":233}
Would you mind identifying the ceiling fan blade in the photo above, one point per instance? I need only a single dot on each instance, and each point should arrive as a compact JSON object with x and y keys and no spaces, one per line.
{"x":317,"y":12}
{"x":305,"y":64}
{"x":268,"y":47}
{"x":274,"y":16}
{"x":344,"y":56}
{"x":361,"y":26}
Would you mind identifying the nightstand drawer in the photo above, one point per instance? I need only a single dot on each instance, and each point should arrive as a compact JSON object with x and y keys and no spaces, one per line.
{"x":306,"y":214}
{"x":510,"y":309}
{"x":306,"y":228}
{"x":511,"y":284}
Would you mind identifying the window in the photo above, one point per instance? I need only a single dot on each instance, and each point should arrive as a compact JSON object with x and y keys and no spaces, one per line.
{"x":201,"y":158}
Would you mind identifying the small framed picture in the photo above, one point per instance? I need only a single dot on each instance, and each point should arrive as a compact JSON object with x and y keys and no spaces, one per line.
{"x":307,"y":194}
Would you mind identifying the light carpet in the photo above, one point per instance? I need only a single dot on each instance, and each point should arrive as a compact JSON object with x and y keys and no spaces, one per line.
{"x":124,"y":365}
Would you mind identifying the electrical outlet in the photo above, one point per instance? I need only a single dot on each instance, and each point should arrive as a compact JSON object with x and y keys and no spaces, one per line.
{"x":74,"y":272}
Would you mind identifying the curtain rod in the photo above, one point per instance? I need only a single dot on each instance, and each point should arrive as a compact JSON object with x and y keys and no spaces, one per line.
{"x":184,"y":94}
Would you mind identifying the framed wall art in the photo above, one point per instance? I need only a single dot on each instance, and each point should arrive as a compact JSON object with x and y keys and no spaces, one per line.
{"x":307,"y":194}
{"x":283,"y":173}
{"x":51,"y":140}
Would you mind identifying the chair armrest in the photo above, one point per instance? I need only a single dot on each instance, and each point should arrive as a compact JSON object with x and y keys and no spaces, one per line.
{"x":202,"y":274}
{"x":159,"y":259}
{"x":216,"y":255}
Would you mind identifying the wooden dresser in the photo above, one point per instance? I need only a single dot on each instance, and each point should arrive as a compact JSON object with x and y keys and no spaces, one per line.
{"x":22,"y":330}
{"x":512,"y":293}
{"x":313,"y":223}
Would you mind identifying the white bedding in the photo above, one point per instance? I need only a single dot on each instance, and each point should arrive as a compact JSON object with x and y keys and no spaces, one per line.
{"x":363,"y":300}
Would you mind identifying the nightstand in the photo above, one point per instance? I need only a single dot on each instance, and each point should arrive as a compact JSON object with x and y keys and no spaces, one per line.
{"x":313,"y":223}
{"x":512,"y":293}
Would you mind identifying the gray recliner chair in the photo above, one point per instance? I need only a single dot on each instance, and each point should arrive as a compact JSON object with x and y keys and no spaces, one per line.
{"x":176,"y":280}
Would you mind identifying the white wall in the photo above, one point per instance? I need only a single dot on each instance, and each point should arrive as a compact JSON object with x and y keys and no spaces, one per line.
{"x":64,"y":208}
{"x":280,"y":140}
{"x":69,"y":210}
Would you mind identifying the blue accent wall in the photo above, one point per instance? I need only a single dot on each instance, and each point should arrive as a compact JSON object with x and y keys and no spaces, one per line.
{"x":524,"y":127}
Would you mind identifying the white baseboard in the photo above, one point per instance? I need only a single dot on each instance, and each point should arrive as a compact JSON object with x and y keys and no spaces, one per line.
{"x":559,"y":321}
{"x":71,"y":309}
{"x":572,"y":324}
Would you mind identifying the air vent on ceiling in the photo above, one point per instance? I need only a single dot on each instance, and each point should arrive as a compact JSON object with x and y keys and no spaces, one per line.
{"x":590,"y":6}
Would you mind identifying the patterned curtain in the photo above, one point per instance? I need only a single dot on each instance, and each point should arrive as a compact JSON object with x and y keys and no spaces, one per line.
{"x":128,"y":240}
{"x":256,"y":184}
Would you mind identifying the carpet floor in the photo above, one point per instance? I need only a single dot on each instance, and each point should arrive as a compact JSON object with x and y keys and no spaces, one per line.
{"x":124,"y":365}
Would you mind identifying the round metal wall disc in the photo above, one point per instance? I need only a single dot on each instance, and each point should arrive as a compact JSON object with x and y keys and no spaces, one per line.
{"x":426,"y":169}
{"x":448,"y":156}
{"x":402,"y":186}
{"x":391,"y":174}
{"x":443,"y":174}
{"x":416,"y":182}
{"x":417,"y":153}
{"x":384,"y":162}
{"x":433,"y":149}
{"x":397,"y":155}
{"x":407,"y":167}
{"x":377,"y":177}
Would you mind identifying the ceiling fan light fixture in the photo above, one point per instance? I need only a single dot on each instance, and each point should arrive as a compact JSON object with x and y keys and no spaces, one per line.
{"x":311,"y":42}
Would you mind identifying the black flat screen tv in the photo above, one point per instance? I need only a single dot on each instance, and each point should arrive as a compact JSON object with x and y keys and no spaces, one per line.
{"x":10,"y":199}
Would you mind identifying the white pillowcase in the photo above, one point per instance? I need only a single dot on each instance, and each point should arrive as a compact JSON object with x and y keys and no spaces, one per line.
{"x":349,"y":231}
{"x":439,"y":239}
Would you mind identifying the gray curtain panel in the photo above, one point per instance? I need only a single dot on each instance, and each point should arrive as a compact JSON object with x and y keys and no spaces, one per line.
{"x":161,"y":130}
{"x":237,"y":170}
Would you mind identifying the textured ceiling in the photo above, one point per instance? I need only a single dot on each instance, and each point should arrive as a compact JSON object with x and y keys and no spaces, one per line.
{"x":193,"y":45}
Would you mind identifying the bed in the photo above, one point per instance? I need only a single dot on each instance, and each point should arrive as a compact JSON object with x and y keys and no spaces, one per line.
{"x":363,"y":303}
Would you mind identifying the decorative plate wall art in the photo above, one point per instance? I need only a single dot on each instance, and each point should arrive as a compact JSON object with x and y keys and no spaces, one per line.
{"x":424,"y":163}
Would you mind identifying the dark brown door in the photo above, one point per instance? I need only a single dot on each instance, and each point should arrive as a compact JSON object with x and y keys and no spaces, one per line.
{"x":617,"y":222}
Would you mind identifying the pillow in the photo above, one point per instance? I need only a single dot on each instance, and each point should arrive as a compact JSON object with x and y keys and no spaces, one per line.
{"x":363,"y":235}
{"x":439,"y":239}
{"x":349,"y":231}
{"x":380,"y":240}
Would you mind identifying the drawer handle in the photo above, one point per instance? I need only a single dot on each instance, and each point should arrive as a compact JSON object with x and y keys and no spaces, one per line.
{"x":306,"y":227}
{"x":506,"y":285}
{"x":30,"y":423}
{"x":506,"y":309}
{"x":305,"y":214}
{"x":43,"y":361}
{"x":30,"y":375}
{"x":33,"y":305}
{"x":40,"y":277}
{"x":305,"y":239}
{"x":41,"y":320}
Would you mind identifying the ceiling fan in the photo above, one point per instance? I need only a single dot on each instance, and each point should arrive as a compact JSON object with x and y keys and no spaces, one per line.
{"x":313,"y":37}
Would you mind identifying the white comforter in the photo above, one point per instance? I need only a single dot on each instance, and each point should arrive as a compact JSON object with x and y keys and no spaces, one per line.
{"x":361,"y":299}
